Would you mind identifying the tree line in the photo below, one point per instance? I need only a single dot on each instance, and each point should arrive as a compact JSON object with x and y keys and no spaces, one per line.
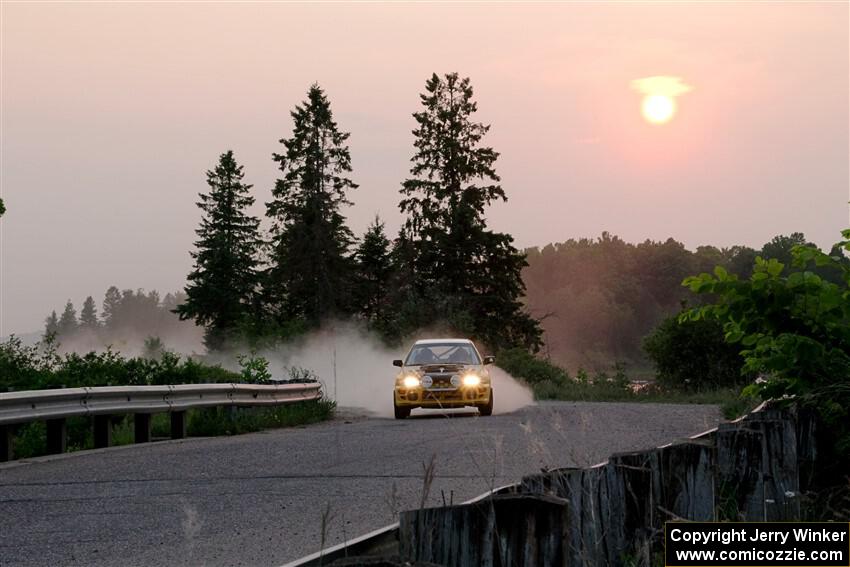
{"x":444,"y":268}
{"x":599,"y":298}
{"x":124,"y":315}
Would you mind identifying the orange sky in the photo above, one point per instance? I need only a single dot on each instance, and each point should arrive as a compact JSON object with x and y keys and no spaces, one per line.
{"x":111,"y":113}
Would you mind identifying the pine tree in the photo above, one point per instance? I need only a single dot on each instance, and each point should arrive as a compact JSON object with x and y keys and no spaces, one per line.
{"x":309,"y":275}
{"x":471,"y":276}
{"x":111,"y":311}
{"x":222,"y":286}
{"x":51,"y":325}
{"x":374,"y":269}
{"x":88,"y":315}
{"x":68,"y":321}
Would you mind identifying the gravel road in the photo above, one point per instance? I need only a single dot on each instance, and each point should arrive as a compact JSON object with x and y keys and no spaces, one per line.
{"x":258,"y":499}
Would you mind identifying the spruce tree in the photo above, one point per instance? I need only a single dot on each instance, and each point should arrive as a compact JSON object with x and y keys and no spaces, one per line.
{"x":88,"y":315}
{"x":470,"y":275}
{"x":68,"y":321}
{"x":111,"y":312}
{"x":309,"y":274}
{"x":51,"y":325}
{"x":222,"y":286}
{"x":374,"y":268}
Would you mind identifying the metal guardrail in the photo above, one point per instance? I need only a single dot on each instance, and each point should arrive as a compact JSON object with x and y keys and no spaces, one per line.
{"x":55,"y":406}
{"x":38,"y":405}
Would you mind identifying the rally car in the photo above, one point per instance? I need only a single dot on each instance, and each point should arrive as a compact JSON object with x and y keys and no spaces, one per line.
{"x":443,"y":373}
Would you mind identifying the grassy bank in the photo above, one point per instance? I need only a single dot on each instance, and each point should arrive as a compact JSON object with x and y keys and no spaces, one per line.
{"x":551,"y":382}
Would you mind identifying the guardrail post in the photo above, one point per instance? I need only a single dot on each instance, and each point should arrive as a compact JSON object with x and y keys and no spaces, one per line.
{"x":178,"y":424}
{"x":6,"y":438}
{"x":102,"y":431}
{"x":57,"y":436}
{"x":143,"y":427}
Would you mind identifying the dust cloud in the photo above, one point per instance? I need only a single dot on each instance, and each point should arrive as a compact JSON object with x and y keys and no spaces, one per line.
{"x":183,"y":337}
{"x":509,"y":393}
{"x":354,"y":366}
{"x":357,"y":372}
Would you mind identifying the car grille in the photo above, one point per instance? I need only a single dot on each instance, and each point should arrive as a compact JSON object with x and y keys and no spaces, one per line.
{"x":441,"y":381}
{"x":442,"y":368}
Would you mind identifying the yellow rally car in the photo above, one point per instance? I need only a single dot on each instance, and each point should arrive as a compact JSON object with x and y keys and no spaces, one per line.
{"x":443,"y":373}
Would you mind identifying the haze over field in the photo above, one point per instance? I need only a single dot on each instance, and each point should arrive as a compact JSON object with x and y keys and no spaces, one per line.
{"x":111,"y":114}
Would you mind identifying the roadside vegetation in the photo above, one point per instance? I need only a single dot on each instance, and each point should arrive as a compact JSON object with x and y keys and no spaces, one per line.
{"x":40,"y":366}
{"x":598,"y":298}
{"x":552,"y":382}
{"x":791,"y":323}
{"x":780,"y":333}
{"x":30,"y":439}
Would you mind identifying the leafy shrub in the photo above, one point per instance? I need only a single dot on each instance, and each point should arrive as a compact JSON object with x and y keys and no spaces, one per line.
{"x":794,"y":329}
{"x":693,"y":355}
{"x":520,"y":363}
{"x":30,"y":440}
{"x":39,"y":367}
{"x":551,"y":382}
{"x":255,"y":369}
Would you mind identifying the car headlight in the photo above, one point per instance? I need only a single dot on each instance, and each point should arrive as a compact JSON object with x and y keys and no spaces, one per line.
{"x":471,"y":380}
{"x":410,"y":381}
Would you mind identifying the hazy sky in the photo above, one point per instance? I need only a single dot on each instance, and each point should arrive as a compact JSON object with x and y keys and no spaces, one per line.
{"x":111,"y":114}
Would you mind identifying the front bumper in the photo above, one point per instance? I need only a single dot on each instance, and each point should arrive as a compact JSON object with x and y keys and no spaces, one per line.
{"x":442,"y":397}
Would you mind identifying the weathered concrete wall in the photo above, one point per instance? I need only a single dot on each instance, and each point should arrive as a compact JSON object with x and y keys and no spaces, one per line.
{"x":501,"y":530}
{"x":614,"y":513}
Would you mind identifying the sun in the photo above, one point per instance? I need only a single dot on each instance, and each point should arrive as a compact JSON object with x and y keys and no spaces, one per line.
{"x":657,"y":108}
{"x":658,"y":104}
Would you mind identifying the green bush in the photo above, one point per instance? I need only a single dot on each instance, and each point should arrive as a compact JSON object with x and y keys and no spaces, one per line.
{"x":693,"y":355}
{"x":520,"y":363}
{"x":551,"y":382}
{"x":793,"y":328}
{"x":39,"y":367}
{"x":30,"y":440}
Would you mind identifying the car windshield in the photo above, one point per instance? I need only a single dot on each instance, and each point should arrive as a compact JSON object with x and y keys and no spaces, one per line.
{"x":442,"y":353}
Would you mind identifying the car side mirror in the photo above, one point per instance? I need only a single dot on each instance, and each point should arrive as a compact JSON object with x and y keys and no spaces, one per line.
{"x":398,"y":362}
{"x":489,"y":359}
